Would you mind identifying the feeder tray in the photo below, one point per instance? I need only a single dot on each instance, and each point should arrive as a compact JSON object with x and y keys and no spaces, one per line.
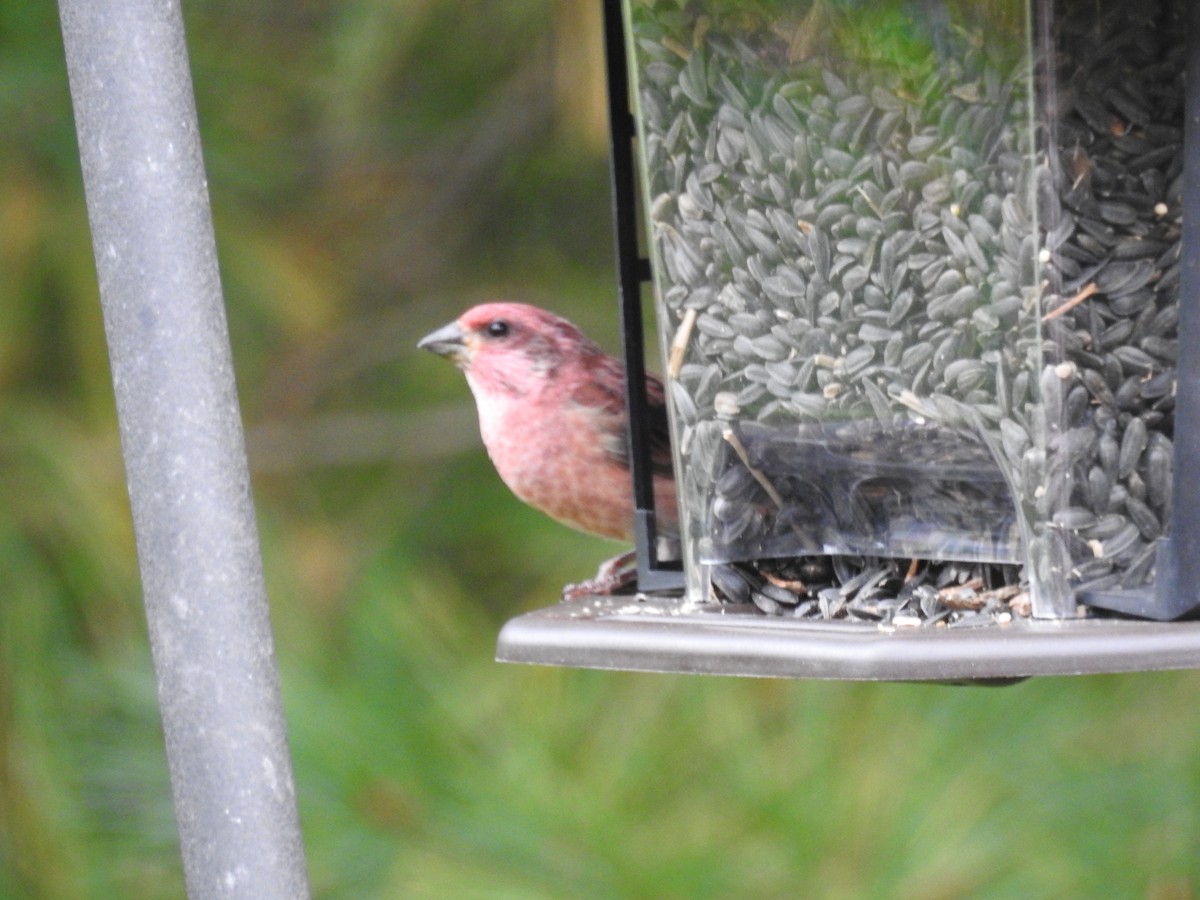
{"x":663,"y":634}
{"x":1035,"y":433}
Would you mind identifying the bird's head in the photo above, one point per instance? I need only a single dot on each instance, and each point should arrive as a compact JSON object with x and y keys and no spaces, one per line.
{"x":512,"y":348}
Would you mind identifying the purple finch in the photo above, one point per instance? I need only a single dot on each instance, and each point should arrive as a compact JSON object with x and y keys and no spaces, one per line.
{"x":552,"y":416}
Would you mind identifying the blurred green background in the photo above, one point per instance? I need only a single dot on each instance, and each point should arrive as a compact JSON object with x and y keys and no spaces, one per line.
{"x":376,"y":166}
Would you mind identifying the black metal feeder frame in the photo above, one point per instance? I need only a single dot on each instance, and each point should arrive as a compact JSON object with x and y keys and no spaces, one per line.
{"x":934,"y":375}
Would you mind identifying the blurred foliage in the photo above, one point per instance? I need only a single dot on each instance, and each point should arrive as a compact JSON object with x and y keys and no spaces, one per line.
{"x":375,"y":167}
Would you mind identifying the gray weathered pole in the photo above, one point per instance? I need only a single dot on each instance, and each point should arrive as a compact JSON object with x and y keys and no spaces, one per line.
{"x":185,"y":462}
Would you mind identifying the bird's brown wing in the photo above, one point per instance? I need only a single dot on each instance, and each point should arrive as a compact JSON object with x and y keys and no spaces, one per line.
{"x":605,"y":393}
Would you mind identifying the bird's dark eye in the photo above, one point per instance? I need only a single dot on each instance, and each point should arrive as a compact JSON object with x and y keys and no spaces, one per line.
{"x":497,"y":328}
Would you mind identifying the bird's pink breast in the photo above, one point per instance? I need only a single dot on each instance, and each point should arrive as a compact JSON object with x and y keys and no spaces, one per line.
{"x":553,"y":459}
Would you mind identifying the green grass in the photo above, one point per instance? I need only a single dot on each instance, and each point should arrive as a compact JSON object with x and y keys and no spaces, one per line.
{"x":512,"y":781}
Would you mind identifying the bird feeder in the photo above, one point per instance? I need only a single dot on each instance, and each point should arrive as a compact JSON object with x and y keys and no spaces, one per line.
{"x":920,"y":268}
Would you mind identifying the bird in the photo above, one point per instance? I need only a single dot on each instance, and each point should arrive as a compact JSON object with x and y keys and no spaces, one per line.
{"x":552,"y":416}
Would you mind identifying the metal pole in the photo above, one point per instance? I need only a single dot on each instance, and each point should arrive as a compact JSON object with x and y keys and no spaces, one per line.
{"x":185,"y":461}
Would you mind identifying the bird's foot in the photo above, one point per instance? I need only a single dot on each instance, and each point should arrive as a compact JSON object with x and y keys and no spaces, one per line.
{"x":613,"y":576}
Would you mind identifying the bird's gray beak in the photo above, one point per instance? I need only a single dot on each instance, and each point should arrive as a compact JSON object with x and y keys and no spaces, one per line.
{"x":448,"y":341}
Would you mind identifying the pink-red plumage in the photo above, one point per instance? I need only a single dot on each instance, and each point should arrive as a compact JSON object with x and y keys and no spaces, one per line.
{"x":552,"y":416}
